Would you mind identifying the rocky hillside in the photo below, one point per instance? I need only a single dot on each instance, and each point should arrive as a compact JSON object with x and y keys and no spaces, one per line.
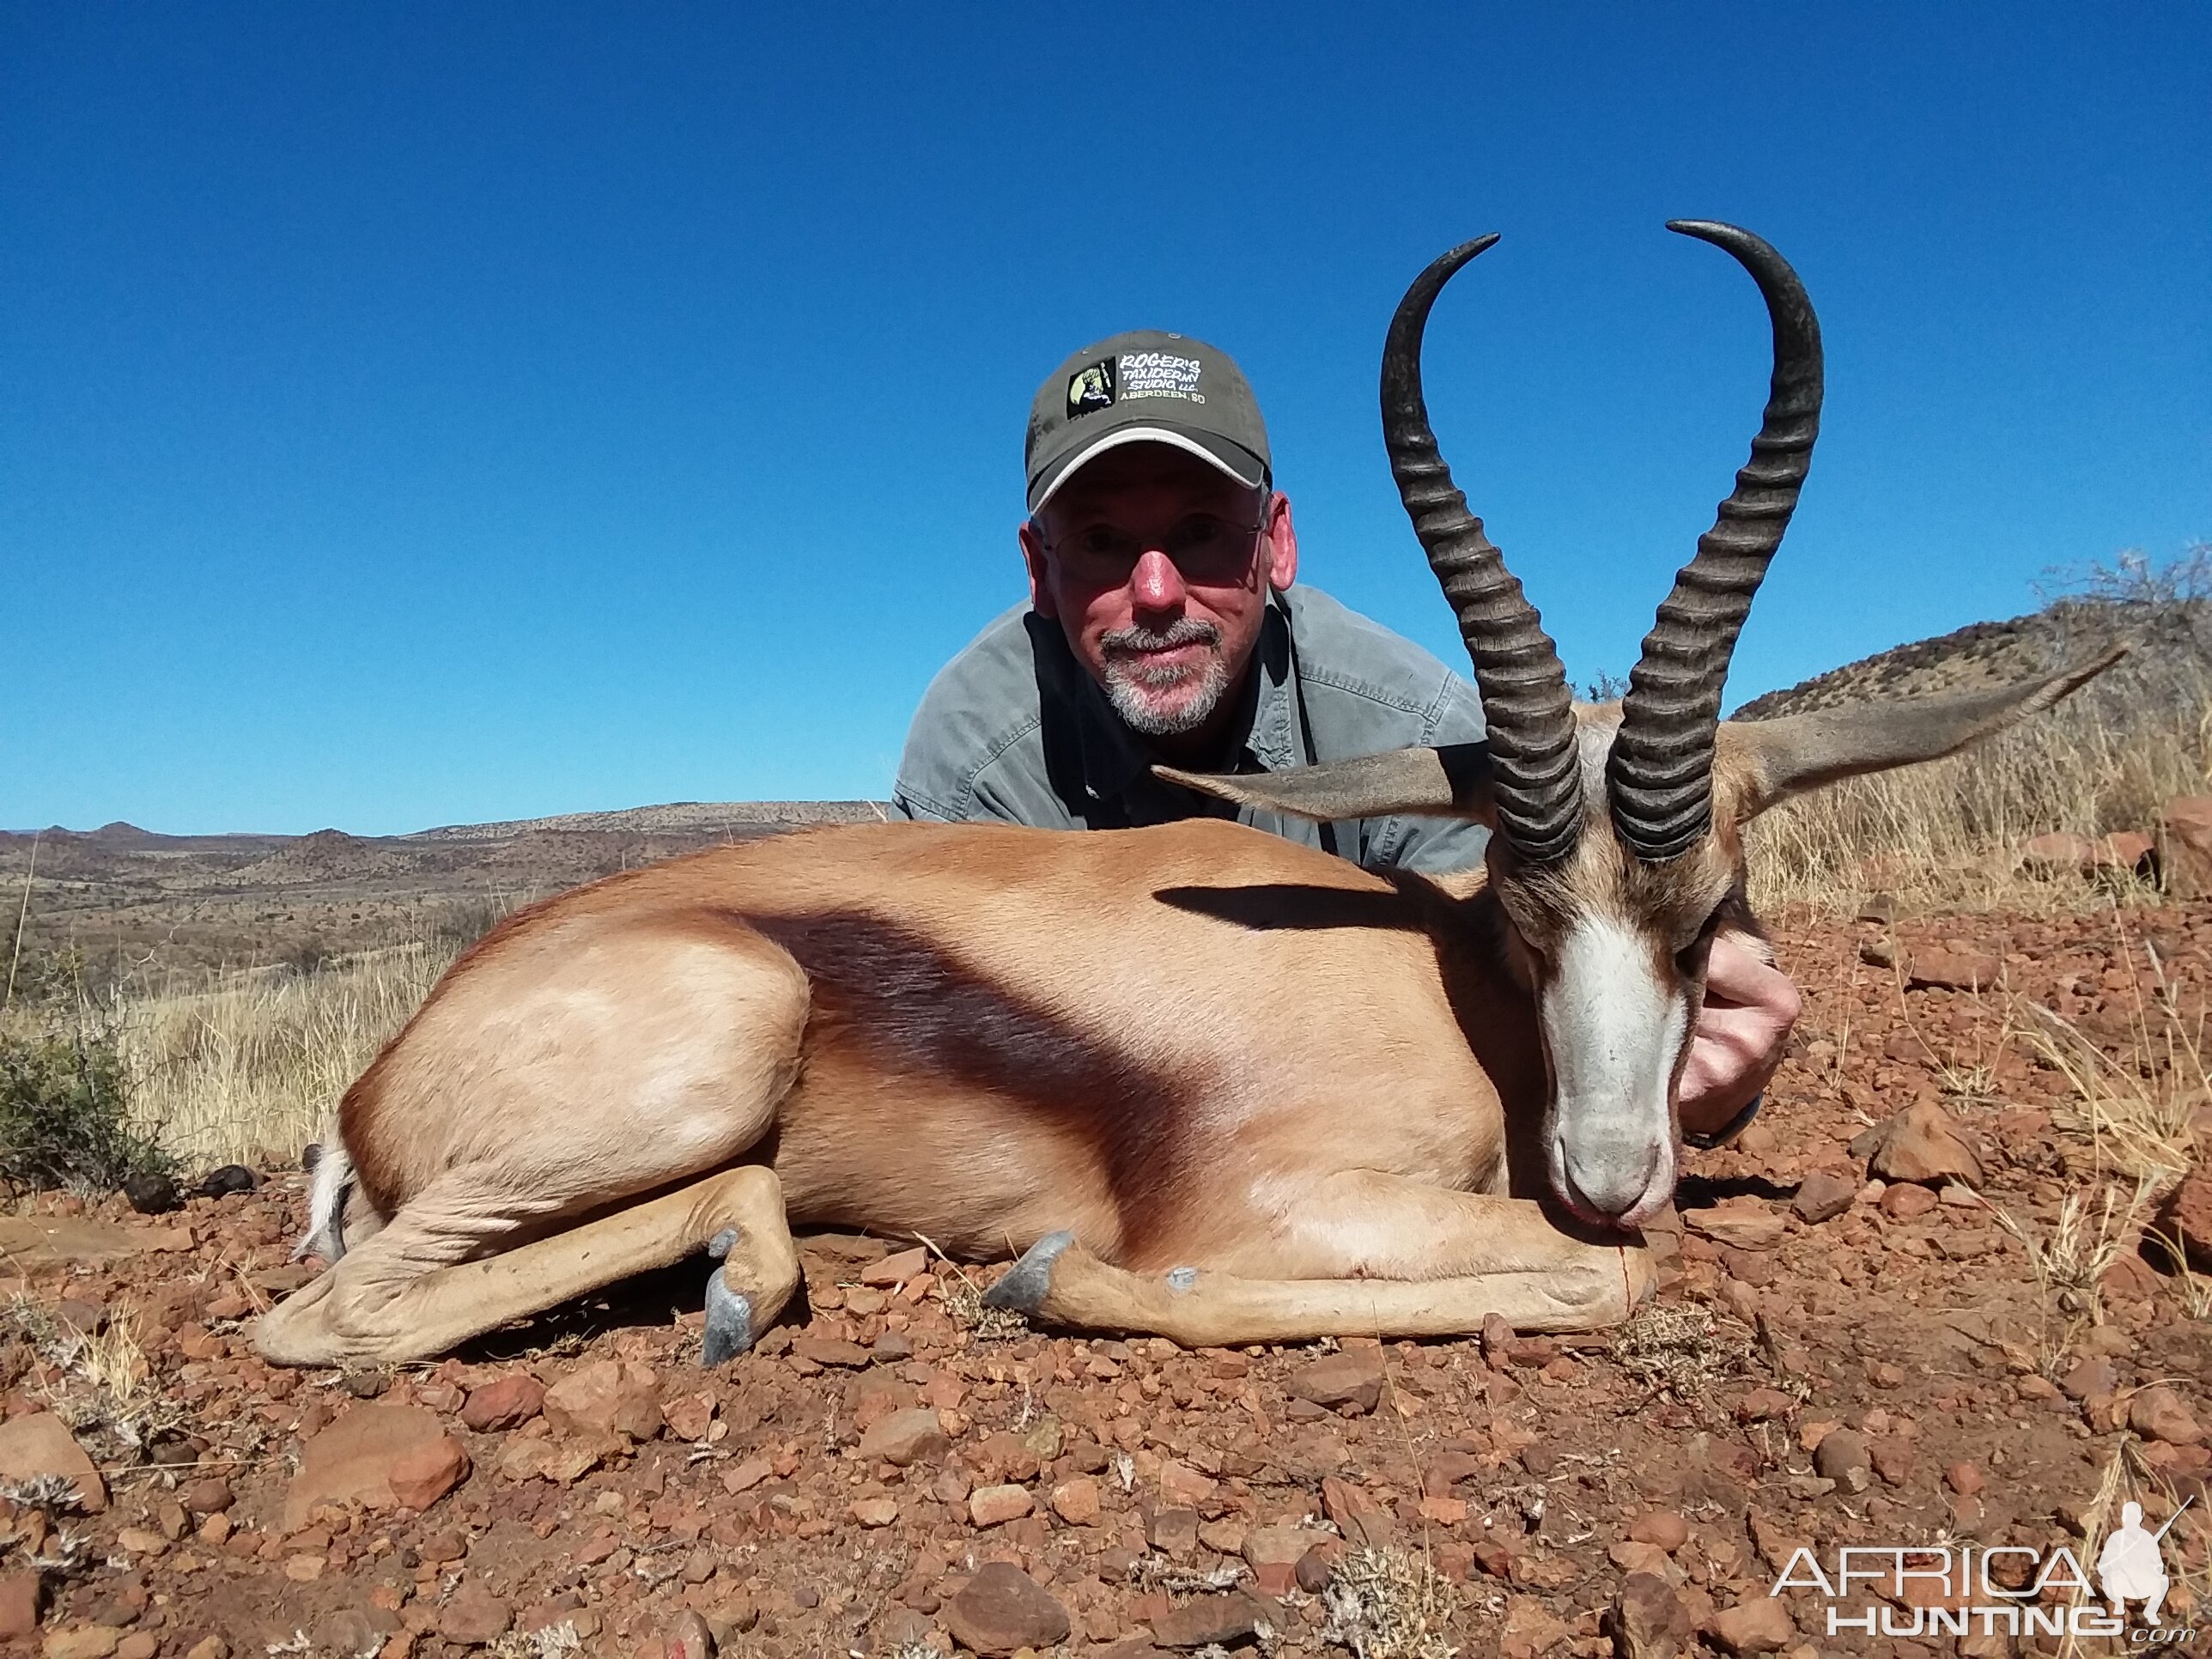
{"x":2171,"y":645}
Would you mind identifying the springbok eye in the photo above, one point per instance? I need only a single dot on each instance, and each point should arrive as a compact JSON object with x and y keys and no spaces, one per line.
{"x":1690,"y":958}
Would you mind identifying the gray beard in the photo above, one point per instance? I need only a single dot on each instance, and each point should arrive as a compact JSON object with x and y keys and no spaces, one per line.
{"x":1127,"y":683}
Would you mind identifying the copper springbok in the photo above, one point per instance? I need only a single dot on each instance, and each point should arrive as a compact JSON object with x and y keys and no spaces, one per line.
{"x":1215,"y":1085}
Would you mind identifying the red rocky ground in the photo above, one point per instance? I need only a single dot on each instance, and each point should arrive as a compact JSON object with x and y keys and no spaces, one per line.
{"x":1880,"y":1367}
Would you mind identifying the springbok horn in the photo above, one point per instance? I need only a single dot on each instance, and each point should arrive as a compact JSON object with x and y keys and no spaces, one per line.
{"x":1525,"y":700}
{"x":1661,"y":770}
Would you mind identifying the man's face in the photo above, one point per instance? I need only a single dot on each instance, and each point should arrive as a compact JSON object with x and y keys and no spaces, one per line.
{"x":1157,"y":567}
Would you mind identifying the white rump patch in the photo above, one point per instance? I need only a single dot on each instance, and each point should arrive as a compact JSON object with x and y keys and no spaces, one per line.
{"x":326,"y":1199}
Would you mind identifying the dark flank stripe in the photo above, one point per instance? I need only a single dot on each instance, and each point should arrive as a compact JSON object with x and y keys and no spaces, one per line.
{"x":912,"y":1009}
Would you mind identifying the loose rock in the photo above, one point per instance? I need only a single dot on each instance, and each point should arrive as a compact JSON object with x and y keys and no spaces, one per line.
{"x":1206,"y":1620}
{"x":1955,"y":970}
{"x":1076,"y":1501}
{"x":1823,"y":1195}
{"x":994,"y":1506}
{"x":612,"y":1397}
{"x":419,"y":1478}
{"x":2187,"y":1217}
{"x":1648,"y":1620}
{"x":1003,"y":1609}
{"x":2184,"y":846}
{"x":1842,"y":1456}
{"x":474,"y":1616}
{"x":39,"y":1444}
{"x":510,"y":1403}
{"x":1350,"y":1377}
{"x":19,"y":1602}
{"x":1922,"y":1144}
{"x":352,"y":1461}
{"x":1760,"y":1625}
{"x":2157,"y":1413}
{"x":1663,"y":1527}
{"x":1743,"y":1226}
{"x":904,"y":1437}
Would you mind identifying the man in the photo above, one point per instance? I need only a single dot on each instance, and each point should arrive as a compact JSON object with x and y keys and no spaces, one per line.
{"x":1164,"y":623}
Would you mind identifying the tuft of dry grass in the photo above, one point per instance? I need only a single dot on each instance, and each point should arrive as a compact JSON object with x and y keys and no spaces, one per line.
{"x":2096,"y":1226}
{"x":1388,"y":1603}
{"x":2135,"y":1118}
{"x":556,"y":1642}
{"x":2138,"y":1112}
{"x":1681,"y":1352}
{"x":249,"y":1065}
{"x":963,"y":1299}
{"x":103,"y":1386}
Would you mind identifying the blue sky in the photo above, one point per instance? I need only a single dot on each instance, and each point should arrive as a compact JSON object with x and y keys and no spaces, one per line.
{"x":418,"y":414}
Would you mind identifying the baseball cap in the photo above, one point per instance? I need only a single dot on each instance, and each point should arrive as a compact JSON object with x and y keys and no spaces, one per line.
{"x":1145,"y":386}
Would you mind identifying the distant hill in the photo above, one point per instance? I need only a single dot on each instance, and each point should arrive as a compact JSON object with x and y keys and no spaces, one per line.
{"x":121,"y":894}
{"x":2171,"y":645}
{"x":683,"y":817}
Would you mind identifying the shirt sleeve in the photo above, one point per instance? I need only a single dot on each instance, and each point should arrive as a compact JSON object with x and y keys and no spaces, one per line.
{"x":973,"y":753}
{"x":1437,"y":847}
{"x":946,"y":744}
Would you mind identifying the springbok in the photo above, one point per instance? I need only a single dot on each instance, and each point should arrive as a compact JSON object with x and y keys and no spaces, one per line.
{"x":1215,"y":1085}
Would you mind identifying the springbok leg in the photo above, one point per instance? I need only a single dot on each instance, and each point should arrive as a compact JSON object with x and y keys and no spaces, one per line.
{"x":1524,"y":1269}
{"x":402,"y":1294}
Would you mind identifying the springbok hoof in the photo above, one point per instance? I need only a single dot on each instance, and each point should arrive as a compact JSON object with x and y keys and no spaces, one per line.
{"x":729,"y":1323}
{"x":1023,"y":1290}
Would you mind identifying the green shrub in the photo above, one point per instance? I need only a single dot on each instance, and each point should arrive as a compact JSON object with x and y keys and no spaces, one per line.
{"x":64,"y":1110}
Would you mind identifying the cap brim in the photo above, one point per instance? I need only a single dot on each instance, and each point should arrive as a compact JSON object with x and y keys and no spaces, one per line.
{"x":1246,"y":468}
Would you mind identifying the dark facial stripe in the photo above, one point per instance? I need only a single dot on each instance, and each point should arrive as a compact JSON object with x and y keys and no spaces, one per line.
{"x":899,"y":999}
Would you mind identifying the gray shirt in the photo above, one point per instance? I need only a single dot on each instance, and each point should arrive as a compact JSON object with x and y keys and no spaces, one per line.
{"x":1015,"y":730}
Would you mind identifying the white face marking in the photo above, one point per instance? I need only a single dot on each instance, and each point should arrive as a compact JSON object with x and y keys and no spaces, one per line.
{"x":1615,"y":1032}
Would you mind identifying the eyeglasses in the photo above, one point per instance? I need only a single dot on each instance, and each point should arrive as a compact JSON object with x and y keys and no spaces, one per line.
{"x":1204,"y":547}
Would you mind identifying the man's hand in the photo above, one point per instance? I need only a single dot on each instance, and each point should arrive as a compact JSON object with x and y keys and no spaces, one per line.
{"x":1750,"y":1006}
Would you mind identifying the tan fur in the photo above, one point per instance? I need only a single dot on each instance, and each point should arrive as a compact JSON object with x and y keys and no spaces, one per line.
{"x":1196,"y":1046}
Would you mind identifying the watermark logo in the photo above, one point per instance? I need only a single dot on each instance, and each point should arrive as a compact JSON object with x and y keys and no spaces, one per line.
{"x":2131,"y":1565}
{"x":1936,"y":1590}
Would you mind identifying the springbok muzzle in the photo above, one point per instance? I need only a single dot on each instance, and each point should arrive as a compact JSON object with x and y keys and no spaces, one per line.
{"x":1613,"y":1030}
{"x":1620,"y":1179}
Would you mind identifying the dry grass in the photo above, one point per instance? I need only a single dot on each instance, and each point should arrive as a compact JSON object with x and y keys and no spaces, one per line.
{"x":99,"y":1381}
{"x":249,"y":1065}
{"x":1681,"y":1352}
{"x":2137,"y":1112}
{"x":2096,"y":1224}
{"x":2133,"y":1121}
{"x":1949,"y":835}
{"x":1389,"y":1603}
{"x":2126,"y":1478}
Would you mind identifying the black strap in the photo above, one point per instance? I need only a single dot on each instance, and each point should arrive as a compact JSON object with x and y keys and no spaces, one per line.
{"x":1728,"y":1131}
{"x":1305,"y":726}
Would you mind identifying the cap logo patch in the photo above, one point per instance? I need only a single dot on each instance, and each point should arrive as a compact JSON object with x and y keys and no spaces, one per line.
{"x":1090,"y":389}
{"x":1160,"y":374}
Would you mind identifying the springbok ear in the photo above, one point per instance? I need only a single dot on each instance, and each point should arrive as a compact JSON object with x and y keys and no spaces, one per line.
{"x":1772,"y":760}
{"x":1451,"y":782}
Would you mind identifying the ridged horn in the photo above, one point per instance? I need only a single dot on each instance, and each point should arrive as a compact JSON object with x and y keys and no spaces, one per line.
{"x":1660,"y":773}
{"x":1525,"y":701}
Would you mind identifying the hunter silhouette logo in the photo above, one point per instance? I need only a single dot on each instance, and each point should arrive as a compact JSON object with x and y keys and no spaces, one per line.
{"x":1091,"y":389}
{"x":2132,"y":1567}
{"x":2008,"y":1589}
